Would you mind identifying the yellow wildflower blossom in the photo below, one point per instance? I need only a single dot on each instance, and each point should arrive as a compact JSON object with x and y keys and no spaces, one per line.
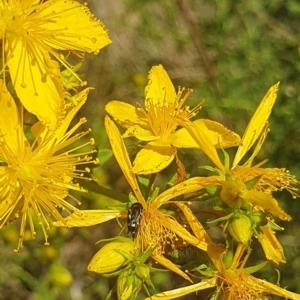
{"x":157,"y":125}
{"x":32,"y":32}
{"x":156,"y":229}
{"x":231,"y":284}
{"x":35,"y":177}
{"x":234,"y":191}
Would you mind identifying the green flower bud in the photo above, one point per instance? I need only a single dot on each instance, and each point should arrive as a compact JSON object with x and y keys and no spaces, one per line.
{"x":143,"y":271}
{"x":258,"y":218}
{"x":127,"y":285}
{"x":107,"y":259}
{"x":240,"y":228}
{"x":60,"y":276}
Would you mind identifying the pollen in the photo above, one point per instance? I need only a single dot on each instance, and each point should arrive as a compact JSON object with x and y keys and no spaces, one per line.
{"x":162,"y":114}
{"x":154,"y":231}
{"x":236,"y":285}
{"x":271,"y":180}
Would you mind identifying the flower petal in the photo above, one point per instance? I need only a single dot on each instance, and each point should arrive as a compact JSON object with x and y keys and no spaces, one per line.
{"x":220,"y":136}
{"x":140,"y":133}
{"x":214,"y":251}
{"x":184,"y":234}
{"x":10,"y":206}
{"x":272,"y":248}
{"x":160,"y":88}
{"x":198,"y":132}
{"x":153,"y":158}
{"x":11,"y":131}
{"x":257,"y":123}
{"x":189,"y":186}
{"x":126,"y":114}
{"x":169,"y":265}
{"x":84,"y":218}
{"x":268,"y":203}
{"x":274,"y":289}
{"x":72,"y":25}
{"x":78,"y":100}
{"x":121,"y":155}
{"x":40,"y":93}
{"x":176,"y":293}
{"x":49,"y":137}
{"x":225,"y":138}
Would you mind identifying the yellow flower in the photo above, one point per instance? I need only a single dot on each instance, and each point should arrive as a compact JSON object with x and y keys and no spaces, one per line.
{"x":231,"y":284}
{"x":32,"y":32}
{"x":35,"y":177}
{"x":157,"y":125}
{"x":156,"y":229}
{"x":270,"y":179}
{"x":234,"y":191}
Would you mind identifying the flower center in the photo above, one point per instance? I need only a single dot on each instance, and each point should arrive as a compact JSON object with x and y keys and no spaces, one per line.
{"x":162,"y":115}
{"x":153,"y":232}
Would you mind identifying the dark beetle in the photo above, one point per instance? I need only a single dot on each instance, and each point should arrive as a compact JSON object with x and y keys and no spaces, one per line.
{"x":134,"y":217}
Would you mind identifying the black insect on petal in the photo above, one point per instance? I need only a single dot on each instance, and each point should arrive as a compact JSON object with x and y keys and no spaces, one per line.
{"x":133,"y":218}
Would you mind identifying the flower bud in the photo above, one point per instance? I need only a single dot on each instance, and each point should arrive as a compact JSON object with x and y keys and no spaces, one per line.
{"x":258,"y":218}
{"x":240,"y":228}
{"x":234,"y":193}
{"x":60,"y":276}
{"x":128,"y":284}
{"x":142,"y":271}
{"x":107,"y":259}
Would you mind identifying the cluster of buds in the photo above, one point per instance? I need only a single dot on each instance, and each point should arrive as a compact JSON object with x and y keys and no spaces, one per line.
{"x":121,"y":258}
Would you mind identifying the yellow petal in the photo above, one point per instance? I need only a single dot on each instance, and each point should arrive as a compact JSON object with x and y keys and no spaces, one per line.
{"x":39,"y":93}
{"x":184,"y":234}
{"x":153,"y":158}
{"x":9,"y":210}
{"x":219,"y":135}
{"x":224,"y":137}
{"x":169,"y":265}
{"x":176,"y":293}
{"x":84,"y":218}
{"x":272,"y":248}
{"x":257,"y":123}
{"x":268,"y":203}
{"x":11,"y":131}
{"x":140,"y":133}
{"x":126,"y":114}
{"x":73,"y":27}
{"x":78,"y":100}
{"x":122,"y":157}
{"x":160,"y":88}
{"x":198,"y":132}
{"x":182,"y":139}
{"x":45,"y":135}
{"x":274,"y":289}
{"x":214,"y":251}
{"x":189,"y":186}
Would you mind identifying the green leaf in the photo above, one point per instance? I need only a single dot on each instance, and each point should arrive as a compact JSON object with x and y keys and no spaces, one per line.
{"x":104,"y":155}
{"x":256,"y":268}
{"x":251,"y":183}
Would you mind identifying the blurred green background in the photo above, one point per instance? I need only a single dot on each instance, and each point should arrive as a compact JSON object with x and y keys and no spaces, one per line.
{"x":230,"y":53}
